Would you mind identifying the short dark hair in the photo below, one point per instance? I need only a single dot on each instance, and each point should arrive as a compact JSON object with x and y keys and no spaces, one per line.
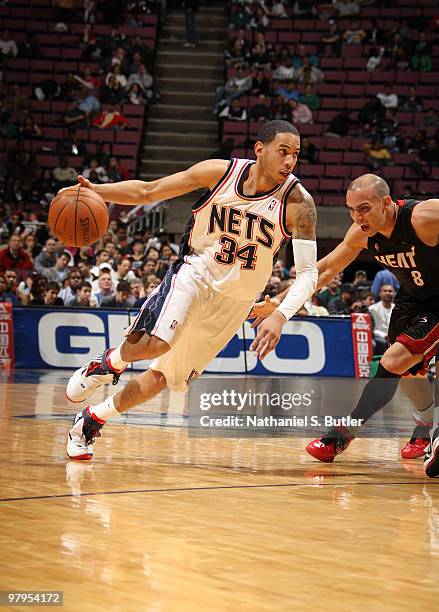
{"x":53,"y":286}
{"x":268,"y":131}
{"x":85,"y":284}
{"x":123,"y":286}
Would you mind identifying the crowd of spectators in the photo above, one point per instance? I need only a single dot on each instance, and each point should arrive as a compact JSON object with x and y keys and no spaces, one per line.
{"x":268,"y":81}
{"x":362,"y":295}
{"x":118,"y":272}
{"x":116,"y":70}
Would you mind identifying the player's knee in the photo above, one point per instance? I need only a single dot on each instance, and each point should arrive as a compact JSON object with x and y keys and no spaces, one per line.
{"x":398,"y":364}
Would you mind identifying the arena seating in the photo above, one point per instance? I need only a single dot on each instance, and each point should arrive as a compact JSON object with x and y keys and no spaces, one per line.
{"x":61,"y":55}
{"x":347,"y":85}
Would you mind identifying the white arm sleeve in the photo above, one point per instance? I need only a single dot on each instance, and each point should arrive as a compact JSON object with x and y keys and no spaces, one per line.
{"x":304,"y":286}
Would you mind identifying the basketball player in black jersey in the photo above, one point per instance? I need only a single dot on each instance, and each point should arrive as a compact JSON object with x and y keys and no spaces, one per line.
{"x":403,"y":236}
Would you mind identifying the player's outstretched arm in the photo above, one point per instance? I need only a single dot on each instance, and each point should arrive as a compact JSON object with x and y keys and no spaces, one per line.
{"x":202,"y":175}
{"x":301,"y":222}
{"x":425,"y":221}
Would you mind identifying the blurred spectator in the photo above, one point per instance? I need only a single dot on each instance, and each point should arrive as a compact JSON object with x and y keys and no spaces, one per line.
{"x":47,"y":257}
{"x":388,"y":97}
{"x":421,"y":61}
{"x":346,"y":8}
{"x":309,"y":74}
{"x":83,"y":297}
{"x":374,"y":60}
{"x":70,"y":291}
{"x":117,"y":75}
{"x":340,"y":124}
{"x":375,"y":35}
{"x":234,"y":87}
{"x":284,"y":70}
{"x":71,"y":145}
{"x":288,"y":91}
{"x":310,"y":98}
{"x":137,"y":289}
{"x":190,"y":10}
{"x":333,"y":38}
{"x":145,"y":80}
{"x":381,"y":312}
{"x":277,"y":9}
{"x":310,"y":309}
{"x":59,"y":271}
{"x":261,"y":110}
{"x":113,"y":92}
{"x":88,"y":103}
{"x":123,"y":271}
{"x":301,"y":54}
{"x":8,"y":46}
{"x":5,"y":294}
{"x":31,"y":288}
{"x":30,"y":246}
{"x":235,"y":111}
{"x":280,"y":270}
{"x":137,"y":255}
{"x":64,"y":175}
{"x":104,"y":287}
{"x":11,"y":280}
{"x":110,"y":118}
{"x":116,"y":171}
{"x":14,"y":257}
{"x":29,"y":129}
{"x":95,"y":173}
{"x":360,"y":281}
{"x":343,"y":304}
{"x":29,"y":47}
{"x":301,"y":114}
{"x":354,"y":35}
{"x":330,"y":294}
{"x":15,"y":100}
{"x":259,"y":58}
{"x":134,"y":95}
{"x":102,"y":262}
{"x":74,"y":117}
{"x":50,"y":297}
{"x":413,"y":102}
{"x":122,"y":298}
{"x":260,"y":84}
{"x":384,"y":277}
{"x":377,"y":155}
{"x":241,"y":18}
{"x":307,"y":151}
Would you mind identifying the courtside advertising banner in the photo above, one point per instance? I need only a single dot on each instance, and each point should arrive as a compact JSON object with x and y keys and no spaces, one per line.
{"x":6,"y":336}
{"x":68,"y":338}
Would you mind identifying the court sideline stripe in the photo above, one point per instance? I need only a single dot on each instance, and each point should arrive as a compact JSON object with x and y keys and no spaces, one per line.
{"x":217,"y":488}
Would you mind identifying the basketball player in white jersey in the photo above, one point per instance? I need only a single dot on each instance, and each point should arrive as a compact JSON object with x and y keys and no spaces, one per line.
{"x":226,"y":258}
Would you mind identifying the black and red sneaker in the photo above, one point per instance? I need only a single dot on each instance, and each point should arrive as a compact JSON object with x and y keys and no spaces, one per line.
{"x":328,"y":446}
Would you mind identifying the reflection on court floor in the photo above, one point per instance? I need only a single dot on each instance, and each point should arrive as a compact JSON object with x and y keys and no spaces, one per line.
{"x":163,"y":521}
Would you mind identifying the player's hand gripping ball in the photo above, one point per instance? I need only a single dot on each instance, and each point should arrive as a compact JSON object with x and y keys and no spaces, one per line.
{"x":78,"y":216}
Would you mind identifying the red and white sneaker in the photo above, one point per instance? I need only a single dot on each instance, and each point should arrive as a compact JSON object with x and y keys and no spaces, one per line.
{"x":417,"y":444}
{"x":84,"y":381}
{"x":81,"y":437}
{"x":333,"y":443}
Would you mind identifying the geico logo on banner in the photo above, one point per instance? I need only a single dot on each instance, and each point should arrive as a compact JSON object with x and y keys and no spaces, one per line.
{"x":70,"y":339}
{"x":314,"y":362}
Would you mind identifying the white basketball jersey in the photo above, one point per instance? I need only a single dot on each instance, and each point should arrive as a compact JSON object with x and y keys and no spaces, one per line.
{"x":232,"y":238}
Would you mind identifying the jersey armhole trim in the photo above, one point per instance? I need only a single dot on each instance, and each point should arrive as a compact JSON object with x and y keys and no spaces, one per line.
{"x":206,"y":198}
{"x":283,"y":209}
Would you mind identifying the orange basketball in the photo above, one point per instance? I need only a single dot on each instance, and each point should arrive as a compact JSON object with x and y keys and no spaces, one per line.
{"x":78,"y":216}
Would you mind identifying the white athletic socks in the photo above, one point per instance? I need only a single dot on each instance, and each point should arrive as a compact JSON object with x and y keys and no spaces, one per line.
{"x":104,"y":410}
{"x":424,"y":417}
{"x":117,"y":363}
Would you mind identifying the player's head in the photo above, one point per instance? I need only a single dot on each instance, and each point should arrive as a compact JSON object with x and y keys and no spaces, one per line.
{"x":277,"y":149}
{"x":369,"y":202}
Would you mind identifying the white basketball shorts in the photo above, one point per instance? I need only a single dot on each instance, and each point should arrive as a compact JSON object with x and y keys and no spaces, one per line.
{"x":194,"y":319}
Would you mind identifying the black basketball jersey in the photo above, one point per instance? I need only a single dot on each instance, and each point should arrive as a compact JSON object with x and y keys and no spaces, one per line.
{"x":414,"y":264}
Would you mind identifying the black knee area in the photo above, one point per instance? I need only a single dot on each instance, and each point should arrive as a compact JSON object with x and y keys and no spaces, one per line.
{"x":383,"y":373}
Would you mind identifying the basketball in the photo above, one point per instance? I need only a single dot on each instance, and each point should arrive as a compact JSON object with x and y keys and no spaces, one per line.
{"x":78,"y":216}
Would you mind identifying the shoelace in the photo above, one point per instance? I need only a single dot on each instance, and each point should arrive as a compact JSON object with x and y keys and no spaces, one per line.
{"x":335,"y":438}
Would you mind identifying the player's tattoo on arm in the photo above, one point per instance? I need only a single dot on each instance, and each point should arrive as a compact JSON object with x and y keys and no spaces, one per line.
{"x":301,"y":215}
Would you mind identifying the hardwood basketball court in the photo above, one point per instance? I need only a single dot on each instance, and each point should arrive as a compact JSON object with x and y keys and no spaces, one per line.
{"x":161,"y":521}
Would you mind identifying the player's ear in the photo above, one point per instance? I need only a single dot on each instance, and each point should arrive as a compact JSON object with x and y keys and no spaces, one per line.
{"x":258,"y":148}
